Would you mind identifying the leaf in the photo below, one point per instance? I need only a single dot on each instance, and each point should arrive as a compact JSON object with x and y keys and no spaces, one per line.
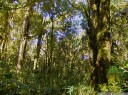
{"x":8,"y":75}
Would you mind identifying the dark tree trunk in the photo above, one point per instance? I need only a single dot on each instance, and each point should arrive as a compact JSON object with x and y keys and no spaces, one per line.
{"x":5,"y":39}
{"x":39,"y":43}
{"x":99,"y":36}
{"x":51,"y":41}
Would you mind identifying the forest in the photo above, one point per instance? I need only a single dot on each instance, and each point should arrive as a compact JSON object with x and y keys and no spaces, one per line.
{"x":63,"y":47}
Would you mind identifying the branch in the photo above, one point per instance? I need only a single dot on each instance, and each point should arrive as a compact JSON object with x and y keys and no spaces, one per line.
{"x":14,"y":8}
{"x":78,"y":8}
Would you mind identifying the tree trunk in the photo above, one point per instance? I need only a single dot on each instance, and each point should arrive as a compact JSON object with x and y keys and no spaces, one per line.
{"x":51,"y":42}
{"x":99,"y":36}
{"x":39,"y":43}
{"x":24,"y":38}
{"x":6,"y":31}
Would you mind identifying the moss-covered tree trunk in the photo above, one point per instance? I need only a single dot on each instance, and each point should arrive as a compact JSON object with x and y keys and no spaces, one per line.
{"x":99,"y":36}
{"x":24,"y":38}
{"x":39,"y":44}
{"x":5,"y":35}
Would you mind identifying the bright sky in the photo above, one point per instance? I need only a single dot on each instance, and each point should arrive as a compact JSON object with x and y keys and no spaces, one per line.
{"x":81,"y":1}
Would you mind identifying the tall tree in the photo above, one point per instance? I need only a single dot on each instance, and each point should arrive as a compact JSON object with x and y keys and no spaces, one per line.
{"x":99,"y":36}
{"x":24,"y":36}
{"x":5,"y":16}
{"x":97,"y":15}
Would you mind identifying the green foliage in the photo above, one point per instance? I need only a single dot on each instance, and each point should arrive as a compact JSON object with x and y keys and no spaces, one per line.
{"x":70,"y":89}
{"x":113,"y":70}
{"x":64,"y":66}
{"x":111,"y":87}
{"x":80,"y":90}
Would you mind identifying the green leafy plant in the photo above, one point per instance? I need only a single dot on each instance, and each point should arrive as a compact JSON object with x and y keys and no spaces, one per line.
{"x":70,"y":89}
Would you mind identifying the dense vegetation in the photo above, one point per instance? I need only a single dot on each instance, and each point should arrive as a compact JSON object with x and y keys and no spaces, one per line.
{"x":63,"y":47}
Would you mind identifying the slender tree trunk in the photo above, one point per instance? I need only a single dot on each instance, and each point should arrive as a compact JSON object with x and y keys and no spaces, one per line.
{"x":51,"y":42}
{"x":50,"y":55}
{"x":24,"y":38}
{"x":5,"y":36}
{"x":39,"y":43}
{"x":99,"y":36}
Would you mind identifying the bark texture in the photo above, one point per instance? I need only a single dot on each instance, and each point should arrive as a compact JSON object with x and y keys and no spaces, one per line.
{"x":99,"y":36}
{"x":24,"y":39}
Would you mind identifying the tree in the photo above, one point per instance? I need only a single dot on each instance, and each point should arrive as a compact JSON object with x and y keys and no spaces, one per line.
{"x":97,"y":15}
{"x":99,"y":35}
{"x":57,"y":47}
{"x":24,"y":37}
